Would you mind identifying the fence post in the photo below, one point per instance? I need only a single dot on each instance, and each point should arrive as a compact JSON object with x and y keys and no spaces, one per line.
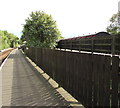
{"x":115,"y":81}
{"x":36,"y":58}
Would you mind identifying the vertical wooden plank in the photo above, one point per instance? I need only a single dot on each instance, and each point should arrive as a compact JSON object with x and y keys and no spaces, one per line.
{"x":49,"y":62}
{"x":85,"y":77}
{"x":90,"y":75}
{"x":56,"y":71}
{"x":75,"y":73}
{"x":95,"y":79}
{"x":88,"y":79}
{"x":107,"y":75}
{"x":63,"y":68}
{"x":44,"y":60}
{"x":38,"y":57}
{"x":60,"y":64}
{"x":80,"y":93}
{"x":43,"y":55}
{"x":101,"y":79}
{"x":59,"y":67}
{"x":114,"y":78}
{"x":54,"y":57}
{"x":76,"y":80}
{"x":33,"y":50}
{"x":67,"y":71}
{"x":71,"y":71}
{"x":56,"y":79}
{"x":39,"y":54}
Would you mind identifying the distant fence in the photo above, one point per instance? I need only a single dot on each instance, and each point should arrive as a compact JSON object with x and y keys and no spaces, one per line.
{"x":92,"y":79}
{"x":105,"y":44}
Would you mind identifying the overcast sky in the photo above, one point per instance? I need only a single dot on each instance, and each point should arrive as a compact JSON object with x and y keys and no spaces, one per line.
{"x":73,"y":17}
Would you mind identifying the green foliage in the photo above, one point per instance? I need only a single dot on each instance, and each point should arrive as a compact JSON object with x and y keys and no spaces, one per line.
{"x":8,"y":40}
{"x":40,"y":30}
{"x":113,"y":27}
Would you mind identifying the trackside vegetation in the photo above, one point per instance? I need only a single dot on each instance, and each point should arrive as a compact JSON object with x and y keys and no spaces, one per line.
{"x":113,"y":27}
{"x":8,"y":40}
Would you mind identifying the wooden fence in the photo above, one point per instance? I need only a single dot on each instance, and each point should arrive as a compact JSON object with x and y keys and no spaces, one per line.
{"x":92,"y":79}
{"x":105,"y":44}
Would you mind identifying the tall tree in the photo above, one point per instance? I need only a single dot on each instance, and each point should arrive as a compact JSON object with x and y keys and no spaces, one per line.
{"x":40,"y":30}
{"x":113,"y":27}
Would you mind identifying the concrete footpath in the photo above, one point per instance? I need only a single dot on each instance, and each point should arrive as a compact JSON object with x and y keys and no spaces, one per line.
{"x":22,"y":85}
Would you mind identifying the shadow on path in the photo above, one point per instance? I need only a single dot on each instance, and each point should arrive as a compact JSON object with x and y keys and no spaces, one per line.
{"x":29,"y":88}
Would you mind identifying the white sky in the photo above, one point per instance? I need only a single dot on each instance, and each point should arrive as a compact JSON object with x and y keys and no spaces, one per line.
{"x":74,"y":17}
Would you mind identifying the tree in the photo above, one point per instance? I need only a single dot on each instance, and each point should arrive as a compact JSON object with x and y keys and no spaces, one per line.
{"x":40,"y":30}
{"x":113,"y":28}
{"x":8,"y":40}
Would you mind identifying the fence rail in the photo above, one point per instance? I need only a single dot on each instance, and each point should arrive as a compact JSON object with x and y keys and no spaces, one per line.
{"x":92,"y":79}
{"x":104,"y":44}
